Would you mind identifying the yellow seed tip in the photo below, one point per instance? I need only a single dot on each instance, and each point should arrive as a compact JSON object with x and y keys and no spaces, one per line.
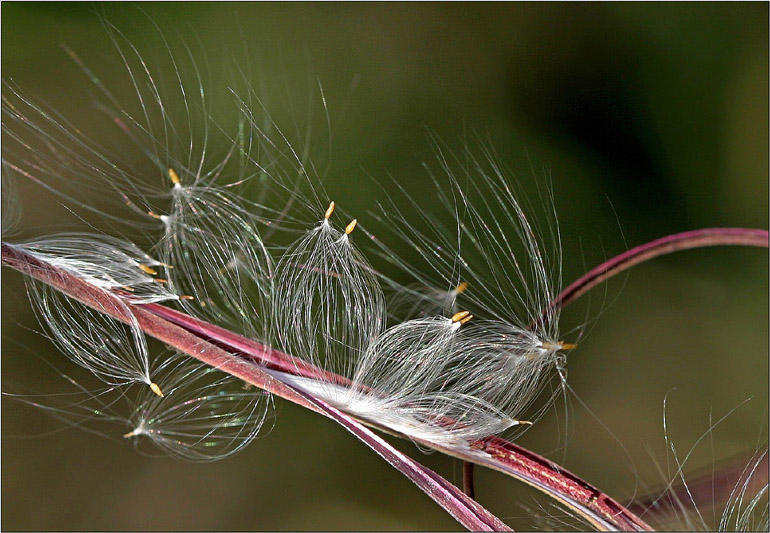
{"x":457,"y":317}
{"x":568,"y":346}
{"x":129,"y":434}
{"x":466,"y":320}
{"x":174,"y":176}
{"x":329,"y":210}
{"x":461,"y":287}
{"x":156,"y":389}
{"x":350,"y":227}
{"x":148,"y":270}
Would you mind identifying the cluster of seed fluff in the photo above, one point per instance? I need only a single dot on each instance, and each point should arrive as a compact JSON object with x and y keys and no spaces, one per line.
{"x":411,"y":356}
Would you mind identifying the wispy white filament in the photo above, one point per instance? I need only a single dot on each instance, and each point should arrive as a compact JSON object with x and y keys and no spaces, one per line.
{"x":406,"y":382}
{"x":115,"y":352}
{"x":218,"y":256}
{"x":107,"y":263}
{"x":478,"y":251}
{"x":327,"y":306}
{"x":408,"y":364}
{"x":205,"y":414}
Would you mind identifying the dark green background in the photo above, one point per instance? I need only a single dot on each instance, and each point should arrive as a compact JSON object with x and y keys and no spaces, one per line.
{"x":649,"y":119}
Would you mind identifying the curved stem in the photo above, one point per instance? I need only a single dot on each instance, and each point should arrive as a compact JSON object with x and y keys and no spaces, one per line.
{"x":227,"y":351}
{"x":223,"y":349}
{"x":665,"y":245}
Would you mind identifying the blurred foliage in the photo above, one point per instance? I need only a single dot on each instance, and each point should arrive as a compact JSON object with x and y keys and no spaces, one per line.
{"x":645,"y":118}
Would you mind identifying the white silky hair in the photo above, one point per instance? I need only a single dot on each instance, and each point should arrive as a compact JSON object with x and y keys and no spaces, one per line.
{"x":219,"y":258}
{"x":327,"y":306}
{"x":403,"y":383}
{"x":477,"y":235}
{"x":747,"y":510}
{"x":170,"y":130}
{"x":205,"y":415}
{"x":185,"y":182}
{"x":106,"y":262}
{"x":11,"y":208}
{"x":320,"y":300}
{"x":114,"y":351}
{"x":420,"y":301}
{"x":432,"y":378}
{"x":478,"y":250}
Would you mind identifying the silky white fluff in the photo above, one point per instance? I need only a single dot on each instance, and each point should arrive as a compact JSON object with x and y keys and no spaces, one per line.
{"x":409,"y":366}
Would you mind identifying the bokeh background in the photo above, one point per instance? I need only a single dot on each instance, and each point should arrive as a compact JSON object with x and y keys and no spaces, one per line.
{"x":646,"y":119}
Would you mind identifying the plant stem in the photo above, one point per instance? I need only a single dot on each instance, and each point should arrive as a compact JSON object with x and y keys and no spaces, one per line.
{"x":206,"y":341}
{"x":665,"y":245}
{"x":469,"y":513}
{"x":468,"y":487}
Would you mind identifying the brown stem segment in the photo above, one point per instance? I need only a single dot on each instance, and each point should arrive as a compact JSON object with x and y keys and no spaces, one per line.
{"x":468,"y":487}
{"x":603,"y":512}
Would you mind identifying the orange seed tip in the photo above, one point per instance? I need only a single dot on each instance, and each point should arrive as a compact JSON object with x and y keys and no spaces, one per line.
{"x":329,"y":210}
{"x":174,"y":176}
{"x":148,"y":270}
{"x":462,"y":315}
{"x":156,"y":389}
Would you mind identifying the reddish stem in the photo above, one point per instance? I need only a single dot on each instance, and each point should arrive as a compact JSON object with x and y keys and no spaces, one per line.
{"x":466,"y":511}
{"x":155,"y":326}
{"x":546,"y":476}
{"x":244,"y":347}
{"x":203,"y":340}
{"x":665,"y":245}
